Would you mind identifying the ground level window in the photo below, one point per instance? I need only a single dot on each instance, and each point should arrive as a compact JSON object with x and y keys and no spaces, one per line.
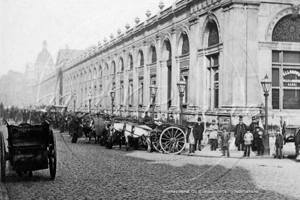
{"x":213,"y":67}
{"x":285,"y":80}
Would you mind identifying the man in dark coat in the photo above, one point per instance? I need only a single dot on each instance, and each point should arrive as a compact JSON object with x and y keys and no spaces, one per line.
{"x":279,"y":144}
{"x":198,"y":133}
{"x":252,"y":128}
{"x":239,"y":132}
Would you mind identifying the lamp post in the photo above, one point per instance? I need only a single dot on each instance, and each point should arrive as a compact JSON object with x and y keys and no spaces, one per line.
{"x":74,"y":96}
{"x":90,"y":99}
{"x":266,"y":85}
{"x":112,"y":95}
{"x":181,"y":87}
{"x":153,"y":90}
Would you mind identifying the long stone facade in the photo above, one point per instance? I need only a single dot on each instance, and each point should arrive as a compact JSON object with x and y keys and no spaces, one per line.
{"x":221,"y":48}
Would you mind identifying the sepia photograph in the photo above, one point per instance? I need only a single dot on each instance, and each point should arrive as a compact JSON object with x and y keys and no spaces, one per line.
{"x":149,"y":99}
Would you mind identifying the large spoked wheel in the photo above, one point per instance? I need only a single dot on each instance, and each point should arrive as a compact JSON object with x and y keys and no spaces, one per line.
{"x":52,"y":157}
{"x":3,"y":159}
{"x":172,"y":140}
{"x":154,"y":135}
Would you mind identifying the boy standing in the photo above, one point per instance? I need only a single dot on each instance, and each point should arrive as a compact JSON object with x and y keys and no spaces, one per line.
{"x":225,"y":141}
{"x":213,"y":135}
{"x":248,"y":140}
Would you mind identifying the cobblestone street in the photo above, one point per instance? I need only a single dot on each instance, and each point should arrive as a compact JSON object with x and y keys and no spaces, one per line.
{"x":89,"y":171}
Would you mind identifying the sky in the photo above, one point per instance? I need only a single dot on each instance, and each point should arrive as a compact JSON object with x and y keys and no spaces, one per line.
{"x":25,"y":24}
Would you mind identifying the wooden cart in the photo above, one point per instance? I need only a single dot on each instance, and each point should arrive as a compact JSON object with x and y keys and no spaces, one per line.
{"x":30,"y":148}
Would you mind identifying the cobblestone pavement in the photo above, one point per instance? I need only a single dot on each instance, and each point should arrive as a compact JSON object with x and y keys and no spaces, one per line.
{"x":88,"y":171}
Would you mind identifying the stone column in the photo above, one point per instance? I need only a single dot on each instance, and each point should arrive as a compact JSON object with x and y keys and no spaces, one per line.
{"x":158,"y":72}
{"x":240,"y":53}
{"x":146,"y":76}
{"x":194,"y":77}
{"x":163,"y":86}
{"x":135,"y":78}
{"x":175,"y":70}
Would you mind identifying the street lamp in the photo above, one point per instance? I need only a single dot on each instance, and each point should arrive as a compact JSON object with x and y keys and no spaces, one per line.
{"x":153,"y":90}
{"x":90,"y":99}
{"x":74,"y":96}
{"x":112,"y":95}
{"x":266,"y":85}
{"x":181,"y":87}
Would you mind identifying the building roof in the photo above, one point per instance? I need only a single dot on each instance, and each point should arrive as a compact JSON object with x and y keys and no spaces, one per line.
{"x":67,"y":54}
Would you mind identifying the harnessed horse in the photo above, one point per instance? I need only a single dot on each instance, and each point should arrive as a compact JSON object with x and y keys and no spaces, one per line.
{"x":128,"y":131}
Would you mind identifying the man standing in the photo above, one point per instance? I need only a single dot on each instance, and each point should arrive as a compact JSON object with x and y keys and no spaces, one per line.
{"x":198,"y":133}
{"x":279,"y":144}
{"x":239,"y":132}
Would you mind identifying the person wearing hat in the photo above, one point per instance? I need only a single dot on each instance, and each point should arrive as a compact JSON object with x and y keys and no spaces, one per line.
{"x":252,"y":128}
{"x":239,"y":132}
{"x":198,"y":133}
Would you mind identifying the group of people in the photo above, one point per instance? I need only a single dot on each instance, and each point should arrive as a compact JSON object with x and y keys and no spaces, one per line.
{"x":216,"y":137}
{"x":247,"y":138}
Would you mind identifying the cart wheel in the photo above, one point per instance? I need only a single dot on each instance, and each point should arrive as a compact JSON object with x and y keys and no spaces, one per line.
{"x":3,"y":159}
{"x":154,"y":135}
{"x":172,"y":140}
{"x":52,"y":157}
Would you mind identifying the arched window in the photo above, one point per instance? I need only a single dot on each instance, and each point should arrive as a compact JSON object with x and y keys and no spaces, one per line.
{"x":121,"y":65}
{"x":153,"y":56}
{"x":95,"y":73}
{"x":130,"y":62}
{"x":113,"y":67}
{"x":213,"y":65}
{"x":286,"y":65}
{"x":100,"y":71}
{"x":185,"y":44}
{"x":168,"y":48}
{"x":141,"y":58}
{"x":213,"y":36}
{"x":287,"y":29}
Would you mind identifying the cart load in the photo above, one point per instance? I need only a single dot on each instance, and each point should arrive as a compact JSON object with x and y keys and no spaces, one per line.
{"x":30,"y":148}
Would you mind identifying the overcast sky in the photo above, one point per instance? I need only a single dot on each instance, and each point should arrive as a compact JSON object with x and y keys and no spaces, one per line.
{"x":25,"y":24}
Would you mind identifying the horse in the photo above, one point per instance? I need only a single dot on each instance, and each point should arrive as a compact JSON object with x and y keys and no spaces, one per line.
{"x":129,"y":131}
{"x":98,"y":130}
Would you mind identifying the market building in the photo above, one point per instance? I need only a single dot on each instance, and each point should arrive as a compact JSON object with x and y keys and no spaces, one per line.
{"x":222,"y":49}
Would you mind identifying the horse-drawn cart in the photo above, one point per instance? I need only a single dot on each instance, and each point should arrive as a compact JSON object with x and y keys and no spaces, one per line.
{"x":30,"y":148}
{"x":164,"y":138}
{"x":169,"y":139}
